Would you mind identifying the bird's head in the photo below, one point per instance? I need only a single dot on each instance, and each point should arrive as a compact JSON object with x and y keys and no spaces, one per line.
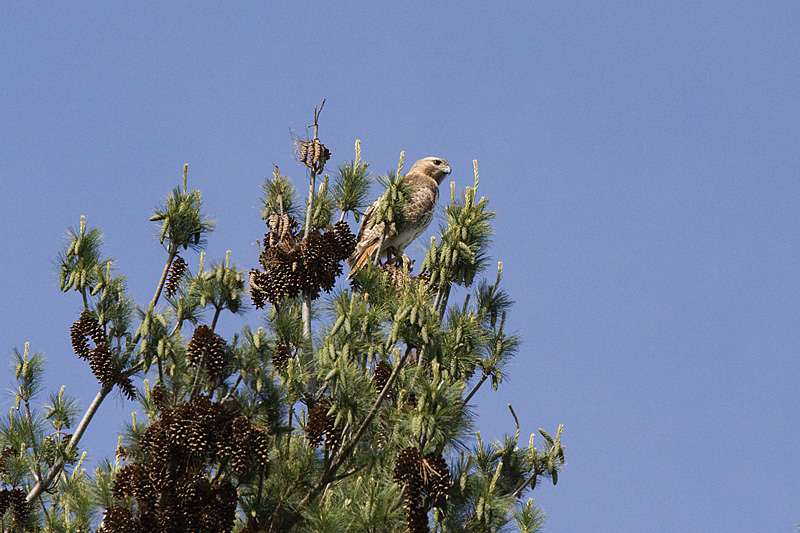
{"x":435,"y":167}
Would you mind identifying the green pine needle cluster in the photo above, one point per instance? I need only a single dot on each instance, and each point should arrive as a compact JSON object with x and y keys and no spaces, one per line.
{"x":351,"y":186}
{"x":183,"y":224}
{"x":462,"y":250}
{"x":280,"y":196}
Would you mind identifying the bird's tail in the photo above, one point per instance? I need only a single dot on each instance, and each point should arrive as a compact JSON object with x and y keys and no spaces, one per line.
{"x":361,"y":260}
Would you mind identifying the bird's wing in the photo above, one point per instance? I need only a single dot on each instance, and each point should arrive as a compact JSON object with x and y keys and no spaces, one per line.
{"x":369,"y":236}
{"x":366,"y":220}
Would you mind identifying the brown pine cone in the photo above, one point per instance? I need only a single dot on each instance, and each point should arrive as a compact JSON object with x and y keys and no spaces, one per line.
{"x":176,"y":271}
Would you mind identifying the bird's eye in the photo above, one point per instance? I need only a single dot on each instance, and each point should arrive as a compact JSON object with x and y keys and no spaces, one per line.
{"x":437,"y":162}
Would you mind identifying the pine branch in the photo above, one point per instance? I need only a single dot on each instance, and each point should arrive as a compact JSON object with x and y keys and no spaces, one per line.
{"x":173,"y":252}
{"x":233,"y":389}
{"x":518,"y":492}
{"x":44,"y":483}
{"x":475,"y":389}
{"x":346,"y":451}
{"x":310,"y":208}
{"x":38,"y":470}
{"x":308,"y":347}
{"x":171,"y":257}
{"x":53,"y":473}
{"x":442,"y":296}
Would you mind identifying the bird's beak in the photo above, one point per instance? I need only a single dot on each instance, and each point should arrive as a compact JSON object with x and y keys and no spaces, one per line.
{"x":447,"y":169}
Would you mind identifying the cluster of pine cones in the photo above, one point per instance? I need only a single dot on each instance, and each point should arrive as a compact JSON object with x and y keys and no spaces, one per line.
{"x":314,"y":154}
{"x":99,"y":358}
{"x":206,"y":343}
{"x":320,"y":424}
{"x":424,"y":478}
{"x":169,"y":477}
{"x":292,"y":265}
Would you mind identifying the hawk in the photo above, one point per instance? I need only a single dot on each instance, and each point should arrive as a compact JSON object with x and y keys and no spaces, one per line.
{"x":423,"y":181}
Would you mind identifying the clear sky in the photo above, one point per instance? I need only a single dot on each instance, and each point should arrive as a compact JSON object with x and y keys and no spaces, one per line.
{"x":643,"y":158}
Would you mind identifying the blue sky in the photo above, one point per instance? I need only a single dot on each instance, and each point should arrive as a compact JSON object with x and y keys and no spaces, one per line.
{"x":642,"y":158}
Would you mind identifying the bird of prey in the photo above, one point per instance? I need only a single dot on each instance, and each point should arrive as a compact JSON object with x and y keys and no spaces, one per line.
{"x":423,"y":181}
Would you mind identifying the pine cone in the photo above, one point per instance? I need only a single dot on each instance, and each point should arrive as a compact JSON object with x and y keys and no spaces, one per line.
{"x":280,"y":355}
{"x":333,"y":435}
{"x":94,"y":329}
{"x":176,"y":271}
{"x":321,"y":424}
{"x":104,"y":371}
{"x":321,"y":264}
{"x":416,"y":516}
{"x":316,"y":423}
{"x":439,"y":480}
{"x":206,"y":343}
{"x":381,"y":375}
{"x":160,"y":396}
{"x":101,"y":366}
{"x":257,"y":293}
{"x":241,"y":444}
{"x":169,"y":479}
{"x":261,"y":447}
{"x":291,"y":266}
{"x":304,"y":152}
{"x":345,"y":240}
{"x":14,"y":498}
{"x":283,"y":228}
{"x":424,"y":277}
{"x":282,"y":273}
{"x":7,"y":452}
{"x":429,"y":476}
{"x":407,"y":466}
{"x":119,"y":520}
{"x":85,"y":327}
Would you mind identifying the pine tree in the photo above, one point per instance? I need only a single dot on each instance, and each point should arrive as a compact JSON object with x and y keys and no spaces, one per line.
{"x":350,"y":410}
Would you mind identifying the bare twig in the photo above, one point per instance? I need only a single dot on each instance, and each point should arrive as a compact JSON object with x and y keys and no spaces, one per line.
{"x":163,"y":280}
{"x":347,"y":474}
{"x":196,"y":384}
{"x":475,"y":389}
{"x":233,"y":389}
{"x":220,"y":467}
{"x":134,"y":369}
{"x":518,"y":492}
